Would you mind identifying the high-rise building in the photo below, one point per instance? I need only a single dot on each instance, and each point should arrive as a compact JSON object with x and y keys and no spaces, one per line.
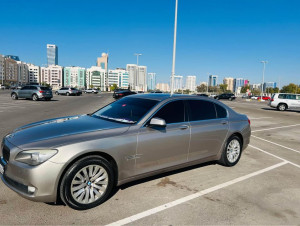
{"x":74,"y":77}
{"x":163,"y":87}
{"x":22,"y":73}
{"x":213,"y":80}
{"x":2,"y":63}
{"x":178,"y":82}
{"x":103,"y":61}
{"x":119,"y":76}
{"x":95,"y":77}
{"x":52,"y":75}
{"x":33,"y":73}
{"x":255,"y":86}
{"x":52,"y":54}
{"x":16,"y":58}
{"x":137,"y":77}
{"x":238,"y":82}
{"x":151,"y":81}
{"x":190,"y":83}
{"x":11,"y":71}
{"x":229,"y":82}
{"x":269,"y":85}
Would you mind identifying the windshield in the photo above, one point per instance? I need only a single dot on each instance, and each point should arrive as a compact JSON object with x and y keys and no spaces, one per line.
{"x":126,"y":110}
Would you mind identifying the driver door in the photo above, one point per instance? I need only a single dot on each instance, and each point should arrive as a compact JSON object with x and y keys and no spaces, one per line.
{"x":162,"y":147}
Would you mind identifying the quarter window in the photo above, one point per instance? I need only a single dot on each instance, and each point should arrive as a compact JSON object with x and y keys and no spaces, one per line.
{"x":221,"y":112}
{"x":282,"y":96}
{"x":172,"y":112}
{"x":201,"y":110}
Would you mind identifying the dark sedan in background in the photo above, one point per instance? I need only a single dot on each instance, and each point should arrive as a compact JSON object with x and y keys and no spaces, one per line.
{"x":80,"y":159}
{"x":122,"y":93}
{"x":228,"y":96}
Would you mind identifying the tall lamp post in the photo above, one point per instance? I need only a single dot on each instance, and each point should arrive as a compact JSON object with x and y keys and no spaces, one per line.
{"x":263,"y":78}
{"x":137,"y":66}
{"x":174,"y":49}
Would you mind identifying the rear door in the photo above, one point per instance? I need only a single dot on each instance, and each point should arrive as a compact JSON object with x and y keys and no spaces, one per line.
{"x":292,"y":102}
{"x":209,"y":128}
{"x":298,"y":101}
{"x":22,"y":92}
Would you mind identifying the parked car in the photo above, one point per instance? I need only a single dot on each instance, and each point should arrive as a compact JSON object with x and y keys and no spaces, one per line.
{"x":34,"y":92}
{"x":94,"y":91}
{"x":254,"y":97}
{"x":264,"y":98}
{"x":202,"y":95}
{"x":80,"y":159}
{"x":228,"y":96}
{"x":68,"y":91}
{"x":122,"y":93}
{"x":283,"y":101}
{"x":156,"y":91}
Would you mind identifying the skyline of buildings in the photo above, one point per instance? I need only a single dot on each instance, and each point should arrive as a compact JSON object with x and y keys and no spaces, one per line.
{"x":134,"y":76}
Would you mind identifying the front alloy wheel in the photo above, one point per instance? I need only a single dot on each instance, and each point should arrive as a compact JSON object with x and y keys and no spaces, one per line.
{"x":87,"y":183}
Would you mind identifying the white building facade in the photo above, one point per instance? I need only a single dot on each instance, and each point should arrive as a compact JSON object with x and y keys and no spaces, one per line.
{"x":74,"y":77}
{"x":120,"y":77}
{"x":151,"y":81}
{"x":178,"y":82}
{"x":137,"y":77}
{"x":190,"y":83}
{"x":95,"y":77}
{"x":163,"y":87}
{"x":34,"y":73}
{"x":22,"y":73}
{"x":2,"y":62}
{"x":53,"y":75}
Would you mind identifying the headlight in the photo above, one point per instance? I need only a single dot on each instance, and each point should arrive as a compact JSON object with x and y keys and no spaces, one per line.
{"x":35,"y":157}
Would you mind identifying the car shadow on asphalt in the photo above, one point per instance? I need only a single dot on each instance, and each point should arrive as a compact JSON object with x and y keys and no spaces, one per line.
{"x":274,"y":109}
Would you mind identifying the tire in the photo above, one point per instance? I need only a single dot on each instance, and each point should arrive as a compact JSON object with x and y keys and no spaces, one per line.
{"x":281,"y":107}
{"x":230,"y":99}
{"x":35,"y":97}
{"x":232,"y":152}
{"x":68,"y":94}
{"x":56,"y":93}
{"x":78,"y":177}
{"x":14,"y":96}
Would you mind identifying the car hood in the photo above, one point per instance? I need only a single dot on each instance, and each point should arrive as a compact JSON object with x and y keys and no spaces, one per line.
{"x":61,"y":129}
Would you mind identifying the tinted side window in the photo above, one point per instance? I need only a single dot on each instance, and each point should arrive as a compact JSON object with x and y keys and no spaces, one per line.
{"x":25,"y":88}
{"x":201,"y":110}
{"x":282,"y":96}
{"x":221,"y":112}
{"x":298,"y":97}
{"x":292,"y":97}
{"x":33,"y":87}
{"x":172,"y":112}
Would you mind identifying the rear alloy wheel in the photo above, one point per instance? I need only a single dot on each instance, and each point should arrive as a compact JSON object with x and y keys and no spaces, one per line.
{"x":87,"y":183}
{"x":68,"y":94}
{"x":281,"y":107}
{"x":14,"y":96}
{"x":232,"y":152}
{"x":35,"y":97}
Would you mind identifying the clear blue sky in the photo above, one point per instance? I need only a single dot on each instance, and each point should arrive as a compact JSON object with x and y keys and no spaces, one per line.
{"x":223,"y":37}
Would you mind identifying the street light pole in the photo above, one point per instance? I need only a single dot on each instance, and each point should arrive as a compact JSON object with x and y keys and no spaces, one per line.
{"x":174,"y":49}
{"x":263,"y":78}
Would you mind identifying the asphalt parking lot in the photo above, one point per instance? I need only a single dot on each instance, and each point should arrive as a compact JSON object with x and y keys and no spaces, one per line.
{"x":263,"y":188}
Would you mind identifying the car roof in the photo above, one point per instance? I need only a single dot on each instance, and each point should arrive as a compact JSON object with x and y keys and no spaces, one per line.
{"x":163,"y":96}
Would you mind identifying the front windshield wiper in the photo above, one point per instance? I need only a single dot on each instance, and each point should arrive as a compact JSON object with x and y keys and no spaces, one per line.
{"x":117,"y":119}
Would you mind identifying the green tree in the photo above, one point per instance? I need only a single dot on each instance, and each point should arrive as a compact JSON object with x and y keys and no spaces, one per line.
{"x":276,"y":90}
{"x":270,"y":90}
{"x":202,"y":88}
{"x":223,"y":88}
{"x":291,"y":88}
{"x":45,"y":84}
{"x":113,"y":87}
{"x":186,"y":91}
{"x":255,"y":92}
{"x":245,"y":88}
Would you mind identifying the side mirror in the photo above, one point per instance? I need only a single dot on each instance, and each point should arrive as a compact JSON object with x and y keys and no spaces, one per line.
{"x":157,"y":122}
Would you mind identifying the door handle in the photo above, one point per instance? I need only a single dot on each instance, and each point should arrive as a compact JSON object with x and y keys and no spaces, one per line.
{"x":184,"y":127}
{"x":224,"y":122}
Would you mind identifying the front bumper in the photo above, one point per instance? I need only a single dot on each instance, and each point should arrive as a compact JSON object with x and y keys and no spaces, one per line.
{"x":36,"y":183}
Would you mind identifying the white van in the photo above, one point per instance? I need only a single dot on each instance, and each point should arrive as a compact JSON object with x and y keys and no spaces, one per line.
{"x":283,"y":101}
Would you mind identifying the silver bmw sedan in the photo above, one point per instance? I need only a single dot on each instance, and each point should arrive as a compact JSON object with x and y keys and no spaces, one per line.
{"x":80,"y":159}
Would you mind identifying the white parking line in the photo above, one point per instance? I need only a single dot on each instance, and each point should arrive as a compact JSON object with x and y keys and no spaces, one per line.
{"x":193,"y":196}
{"x":275,"y":128}
{"x":268,"y":153}
{"x":276,"y":144}
{"x":260,"y":118}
